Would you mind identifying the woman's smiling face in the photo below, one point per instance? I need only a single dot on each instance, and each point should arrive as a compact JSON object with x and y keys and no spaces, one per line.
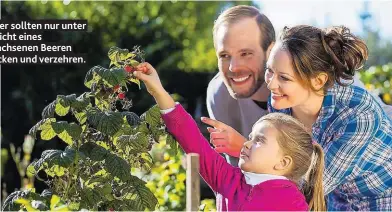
{"x":286,"y":89}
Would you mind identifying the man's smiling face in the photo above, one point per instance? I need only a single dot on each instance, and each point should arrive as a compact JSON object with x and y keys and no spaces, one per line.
{"x":241,"y":59}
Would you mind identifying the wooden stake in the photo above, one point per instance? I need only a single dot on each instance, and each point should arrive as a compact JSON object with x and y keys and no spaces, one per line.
{"x":192,"y":182}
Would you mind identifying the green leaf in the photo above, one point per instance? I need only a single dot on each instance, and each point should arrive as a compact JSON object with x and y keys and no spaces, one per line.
{"x":92,"y":76}
{"x":124,"y":130}
{"x":146,"y":161}
{"x":67,"y":132}
{"x":105,"y":189}
{"x":133,"y":143}
{"x":118,"y":167}
{"x":74,"y":130}
{"x":54,"y":201}
{"x":46,"y":193}
{"x":48,"y":111}
{"x":81,"y":102}
{"x":59,"y":157}
{"x":62,"y":105}
{"x":158,"y":133}
{"x":30,"y":170}
{"x":70,"y":98}
{"x":142,"y":198}
{"x":40,"y":205}
{"x":81,"y":117}
{"x":59,"y":127}
{"x":36,"y":127}
{"x":90,"y":198}
{"x":116,"y":54}
{"x":113,"y":52}
{"x":10,"y":204}
{"x":136,"y":81}
{"x":103,"y":144}
{"x":55,"y":171}
{"x":47,"y":131}
{"x":35,"y":167}
{"x":106,"y":122}
{"x":98,"y":136}
{"x":94,"y":151}
{"x":143,"y":128}
{"x":65,"y":137}
{"x":26,"y":203}
{"x":133,"y":63}
{"x":100,"y":177}
{"x":74,"y":206}
{"x":102,"y":104}
{"x":114,"y":76}
{"x":111,"y":77}
{"x":54,"y":161}
{"x":50,"y":128}
{"x":171,"y":141}
{"x":61,"y":208}
{"x":132,"y":118}
{"x":153,"y":116}
{"x":114,"y":63}
{"x":56,"y":204}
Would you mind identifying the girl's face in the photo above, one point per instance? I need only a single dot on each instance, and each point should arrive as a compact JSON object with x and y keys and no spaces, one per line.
{"x":262,"y":153}
{"x":286,"y":90}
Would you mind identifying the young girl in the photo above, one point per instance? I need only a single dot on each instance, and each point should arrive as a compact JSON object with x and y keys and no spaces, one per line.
{"x":278,"y":157}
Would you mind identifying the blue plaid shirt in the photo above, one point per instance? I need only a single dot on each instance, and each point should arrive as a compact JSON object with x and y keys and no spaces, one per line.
{"x":356,"y":135}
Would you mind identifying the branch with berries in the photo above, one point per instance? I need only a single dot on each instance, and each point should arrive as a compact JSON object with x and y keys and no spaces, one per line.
{"x":104,"y":142}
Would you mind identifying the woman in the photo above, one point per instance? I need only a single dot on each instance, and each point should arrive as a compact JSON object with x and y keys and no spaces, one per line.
{"x":305,"y":74}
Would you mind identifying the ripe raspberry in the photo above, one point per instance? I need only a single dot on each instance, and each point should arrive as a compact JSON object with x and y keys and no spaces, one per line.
{"x":121,"y":95}
{"x":143,"y":69}
{"x":128,"y":69}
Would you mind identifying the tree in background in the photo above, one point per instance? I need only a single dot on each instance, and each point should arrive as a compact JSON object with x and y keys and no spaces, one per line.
{"x":377,"y":75}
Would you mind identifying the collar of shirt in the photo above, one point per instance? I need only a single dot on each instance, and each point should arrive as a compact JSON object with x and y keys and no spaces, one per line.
{"x":327,"y":110}
{"x":255,"y":179}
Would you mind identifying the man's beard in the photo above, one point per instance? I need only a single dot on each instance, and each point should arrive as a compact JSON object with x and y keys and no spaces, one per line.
{"x":252,"y":90}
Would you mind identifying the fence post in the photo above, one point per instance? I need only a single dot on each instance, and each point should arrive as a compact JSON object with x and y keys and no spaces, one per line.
{"x":192,"y":182}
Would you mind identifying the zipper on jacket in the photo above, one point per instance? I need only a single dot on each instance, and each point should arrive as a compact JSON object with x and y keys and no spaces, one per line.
{"x":249,"y":198}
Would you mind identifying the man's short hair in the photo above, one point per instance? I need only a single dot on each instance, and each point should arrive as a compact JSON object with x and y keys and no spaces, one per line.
{"x":236,"y":13}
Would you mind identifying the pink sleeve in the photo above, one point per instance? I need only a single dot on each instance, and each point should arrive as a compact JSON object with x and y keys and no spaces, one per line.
{"x":213,"y":167}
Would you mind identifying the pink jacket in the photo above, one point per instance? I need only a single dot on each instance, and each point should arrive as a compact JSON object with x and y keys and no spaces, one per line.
{"x":228,"y":181}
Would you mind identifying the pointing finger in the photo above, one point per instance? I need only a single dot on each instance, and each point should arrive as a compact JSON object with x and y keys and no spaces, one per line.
{"x":212,"y":122}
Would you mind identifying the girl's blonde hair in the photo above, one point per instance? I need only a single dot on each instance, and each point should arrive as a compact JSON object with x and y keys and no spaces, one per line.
{"x":308,"y":157}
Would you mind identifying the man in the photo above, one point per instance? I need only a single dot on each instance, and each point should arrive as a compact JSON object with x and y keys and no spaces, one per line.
{"x":237,"y":96}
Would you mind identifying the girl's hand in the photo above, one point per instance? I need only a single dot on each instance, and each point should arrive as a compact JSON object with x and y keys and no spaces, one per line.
{"x":146,"y":73}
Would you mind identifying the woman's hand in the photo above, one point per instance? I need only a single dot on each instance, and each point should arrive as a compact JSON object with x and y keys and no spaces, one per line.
{"x":224,"y":138}
{"x":146,"y":73}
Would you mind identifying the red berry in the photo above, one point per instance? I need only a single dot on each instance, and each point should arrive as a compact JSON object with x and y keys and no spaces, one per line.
{"x":121,"y":95}
{"x":128,"y":69}
{"x":116,"y":87}
{"x":145,"y":70}
{"x":111,"y":209}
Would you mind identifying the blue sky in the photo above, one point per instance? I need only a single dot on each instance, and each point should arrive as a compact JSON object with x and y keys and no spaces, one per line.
{"x":324,"y":13}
